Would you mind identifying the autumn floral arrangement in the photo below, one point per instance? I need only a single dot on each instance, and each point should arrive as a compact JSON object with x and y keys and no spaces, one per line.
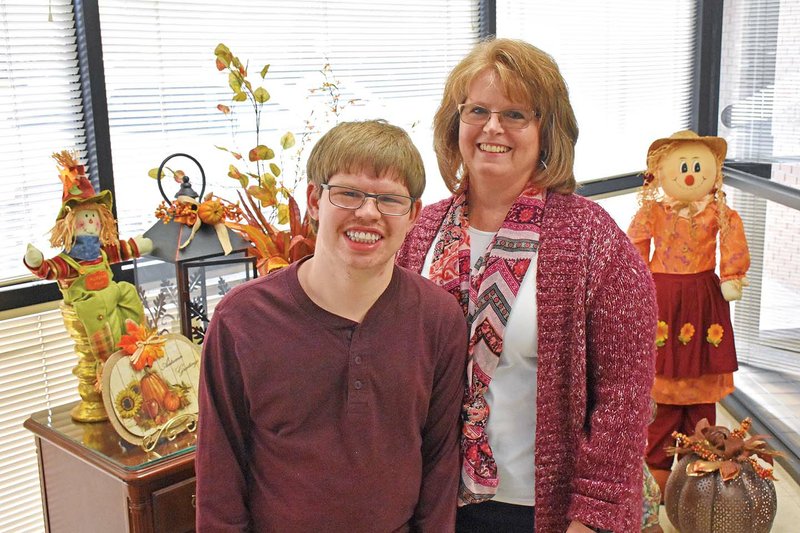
{"x":722,"y":450}
{"x":266,"y":213}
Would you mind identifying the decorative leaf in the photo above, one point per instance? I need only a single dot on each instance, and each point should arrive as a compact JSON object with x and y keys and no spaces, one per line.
{"x":276,"y":170}
{"x":235,"y":81}
{"x":301,"y":248}
{"x":222,"y":49}
{"x":263,"y":195}
{"x":268,"y":181}
{"x":283,"y":213}
{"x":294,"y":217}
{"x":177,"y":175}
{"x":264,"y":71}
{"x":261,"y":95}
{"x":234,"y":173}
{"x":239,"y":97}
{"x":261,"y":153}
{"x":236,"y":155}
{"x":263,"y":244}
{"x":223,"y":56}
{"x":287,"y":140}
{"x":275,"y":263}
{"x":225,"y":109}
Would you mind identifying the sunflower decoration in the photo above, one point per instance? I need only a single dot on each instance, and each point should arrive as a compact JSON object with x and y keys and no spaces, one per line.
{"x":128,"y":402}
{"x":662,"y":333}
{"x":142,"y":344}
{"x":714,"y":334}
{"x":686,"y":333}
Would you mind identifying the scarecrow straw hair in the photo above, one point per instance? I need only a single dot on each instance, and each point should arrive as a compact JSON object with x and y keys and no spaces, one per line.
{"x":66,"y":158}
{"x":63,"y":233}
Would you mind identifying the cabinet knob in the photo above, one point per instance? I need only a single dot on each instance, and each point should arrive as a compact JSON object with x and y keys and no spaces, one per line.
{"x":194,"y":501}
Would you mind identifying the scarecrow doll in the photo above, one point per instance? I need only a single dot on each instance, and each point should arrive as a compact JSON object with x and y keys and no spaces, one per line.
{"x":86,"y":230}
{"x":682,"y":210}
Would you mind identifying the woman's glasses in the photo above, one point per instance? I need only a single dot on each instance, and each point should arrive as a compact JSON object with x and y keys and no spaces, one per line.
{"x":393,"y":205}
{"x":514,"y":119}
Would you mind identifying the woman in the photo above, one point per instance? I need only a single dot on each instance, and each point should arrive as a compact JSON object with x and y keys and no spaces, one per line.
{"x":560,"y":306}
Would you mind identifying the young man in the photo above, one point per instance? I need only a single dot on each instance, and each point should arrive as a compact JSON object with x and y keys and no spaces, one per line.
{"x":331,"y":390}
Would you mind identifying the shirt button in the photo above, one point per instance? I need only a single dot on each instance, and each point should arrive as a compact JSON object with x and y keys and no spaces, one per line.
{"x":357,"y":359}
{"x":358,"y":384}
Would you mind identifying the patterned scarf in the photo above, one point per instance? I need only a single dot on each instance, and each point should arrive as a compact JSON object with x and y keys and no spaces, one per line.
{"x":486,"y":294}
{"x":85,"y":248}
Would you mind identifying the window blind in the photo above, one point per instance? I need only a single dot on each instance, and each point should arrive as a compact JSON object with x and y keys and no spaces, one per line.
{"x":629,"y":66}
{"x":760,"y":83}
{"x":41,"y":102}
{"x":36,"y":361}
{"x":388,"y":60}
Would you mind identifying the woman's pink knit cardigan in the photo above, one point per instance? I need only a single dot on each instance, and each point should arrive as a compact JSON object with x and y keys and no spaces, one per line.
{"x":596,"y":312}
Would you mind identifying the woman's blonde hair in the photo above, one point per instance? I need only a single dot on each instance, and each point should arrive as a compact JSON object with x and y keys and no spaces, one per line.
{"x":369,"y":146}
{"x":63,"y":233}
{"x":527,"y":75}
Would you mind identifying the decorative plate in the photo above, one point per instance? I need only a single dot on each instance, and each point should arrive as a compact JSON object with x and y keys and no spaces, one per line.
{"x":160,"y":400}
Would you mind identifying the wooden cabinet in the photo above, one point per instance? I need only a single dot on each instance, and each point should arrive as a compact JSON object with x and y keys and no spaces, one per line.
{"x":93,"y":481}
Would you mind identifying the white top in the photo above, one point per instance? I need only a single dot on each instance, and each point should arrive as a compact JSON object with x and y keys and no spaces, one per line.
{"x":512,"y":393}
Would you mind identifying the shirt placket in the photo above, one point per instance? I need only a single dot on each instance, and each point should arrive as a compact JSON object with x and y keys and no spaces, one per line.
{"x":357,"y":383}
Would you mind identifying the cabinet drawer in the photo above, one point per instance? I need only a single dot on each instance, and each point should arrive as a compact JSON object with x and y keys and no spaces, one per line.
{"x":173,"y":508}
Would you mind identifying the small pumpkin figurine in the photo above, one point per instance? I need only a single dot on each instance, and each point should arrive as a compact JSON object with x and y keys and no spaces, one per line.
{"x":211,"y":211}
{"x":718,"y":486}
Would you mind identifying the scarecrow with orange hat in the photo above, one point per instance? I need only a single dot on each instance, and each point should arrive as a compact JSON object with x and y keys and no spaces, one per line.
{"x":86,"y":230}
{"x":682,"y":210}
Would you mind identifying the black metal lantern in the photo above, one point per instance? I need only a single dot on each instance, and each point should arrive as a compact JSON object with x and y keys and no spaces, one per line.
{"x":181,"y":284}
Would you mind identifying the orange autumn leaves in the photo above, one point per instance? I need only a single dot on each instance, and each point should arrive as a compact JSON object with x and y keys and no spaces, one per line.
{"x":142,"y":344}
{"x":714,"y":334}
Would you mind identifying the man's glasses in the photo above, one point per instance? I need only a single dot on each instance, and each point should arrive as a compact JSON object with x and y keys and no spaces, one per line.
{"x":514,"y":119}
{"x":393,"y":205}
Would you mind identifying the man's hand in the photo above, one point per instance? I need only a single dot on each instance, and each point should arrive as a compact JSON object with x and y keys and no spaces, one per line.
{"x":33,"y":257}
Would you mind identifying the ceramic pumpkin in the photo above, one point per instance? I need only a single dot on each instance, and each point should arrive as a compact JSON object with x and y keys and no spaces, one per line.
{"x":682,"y":214}
{"x":707,"y":504}
{"x":718,"y":486}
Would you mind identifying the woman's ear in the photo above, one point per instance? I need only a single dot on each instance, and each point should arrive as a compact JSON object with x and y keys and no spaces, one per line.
{"x":416,"y":209}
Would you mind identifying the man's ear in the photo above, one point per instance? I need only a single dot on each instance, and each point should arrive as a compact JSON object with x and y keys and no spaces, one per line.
{"x":312,"y":200}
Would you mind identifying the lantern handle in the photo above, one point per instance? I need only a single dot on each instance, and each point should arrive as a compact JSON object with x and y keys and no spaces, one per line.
{"x":161,"y":167}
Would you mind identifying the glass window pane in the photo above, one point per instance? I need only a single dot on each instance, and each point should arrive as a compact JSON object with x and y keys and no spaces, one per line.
{"x":329,"y":61}
{"x":42,"y":113}
{"x":629,"y":66}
